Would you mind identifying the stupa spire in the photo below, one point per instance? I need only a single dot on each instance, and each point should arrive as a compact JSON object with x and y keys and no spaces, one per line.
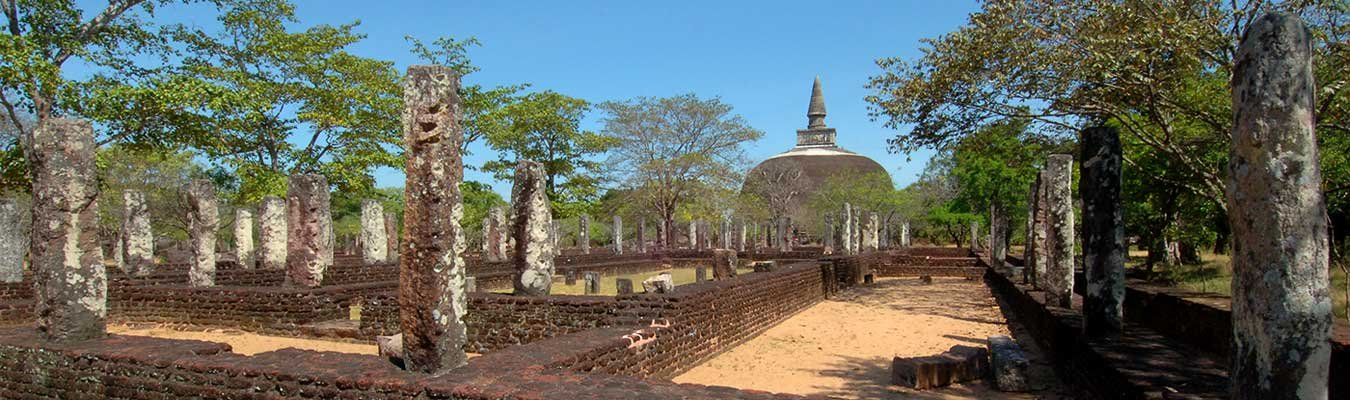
{"x":815,"y":113}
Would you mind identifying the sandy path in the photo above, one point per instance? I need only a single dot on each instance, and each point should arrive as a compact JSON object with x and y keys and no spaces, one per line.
{"x":243,"y":342}
{"x":843,"y":347}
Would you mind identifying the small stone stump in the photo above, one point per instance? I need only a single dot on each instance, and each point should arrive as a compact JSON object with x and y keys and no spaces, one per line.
{"x":700,"y":274}
{"x":724,"y":264}
{"x":959,"y":364}
{"x":765,"y":266}
{"x":661,"y":283}
{"x":592,"y":281}
{"x":570,"y":277}
{"x":1010,"y":366}
{"x":623,"y":286}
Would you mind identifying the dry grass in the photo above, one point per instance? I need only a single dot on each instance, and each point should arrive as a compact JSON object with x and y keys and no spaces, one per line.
{"x":1215,"y":275}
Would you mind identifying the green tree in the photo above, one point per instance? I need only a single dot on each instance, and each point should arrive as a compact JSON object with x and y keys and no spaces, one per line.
{"x":671,"y":149}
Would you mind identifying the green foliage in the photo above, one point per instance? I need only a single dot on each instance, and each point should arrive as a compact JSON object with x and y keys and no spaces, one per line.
{"x":161,"y":176}
{"x":483,"y":108}
{"x":478,"y":200}
{"x":872,"y":192}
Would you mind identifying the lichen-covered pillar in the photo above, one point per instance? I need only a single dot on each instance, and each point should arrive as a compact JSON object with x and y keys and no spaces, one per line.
{"x":975,"y":235}
{"x":373,"y":242}
{"x":1040,"y":232}
{"x":584,"y":234}
{"x":138,"y":241}
{"x":856,"y":231}
{"x":1028,"y":248}
{"x":12,"y":241}
{"x":1103,"y":232}
{"x":617,"y":235}
{"x":870,"y":242}
{"x":904,"y":234}
{"x":72,"y":284}
{"x":203,"y":217}
{"x":391,"y":235}
{"x":272,"y":232}
{"x":998,"y":234}
{"x":1059,"y":197}
{"x":243,"y":237}
{"x":494,"y":235}
{"x":827,"y":239}
{"x":693,"y":235}
{"x":533,"y":254}
{"x":740,"y":237}
{"x":1281,"y":305}
{"x":309,"y":242}
{"x":846,"y":230}
{"x":432,"y":288}
{"x":885,"y":235}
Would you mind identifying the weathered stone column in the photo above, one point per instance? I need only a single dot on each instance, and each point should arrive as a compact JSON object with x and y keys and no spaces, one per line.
{"x":726,"y":233}
{"x":309,"y":222}
{"x":998,"y":234}
{"x":12,"y":241}
{"x":494,"y":235}
{"x":706,"y":228}
{"x":846,"y":230}
{"x":72,"y":284}
{"x":856,"y":229}
{"x":243,"y":237}
{"x":724,"y":264}
{"x":904,"y":234}
{"x":693,"y":235}
{"x":584,"y":233}
{"x":533,"y":255}
{"x":432,"y":288}
{"x":784,"y":235}
{"x":975,"y":235}
{"x":138,"y":241}
{"x":391,"y":234}
{"x":272,"y":232}
{"x":1028,"y":249}
{"x":1040,"y":233}
{"x":870,"y":239}
{"x":617,"y":236}
{"x":740,"y":237}
{"x":1103,"y":232}
{"x":642,"y":235}
{"x":374,"y":245}
{"x":1281,"y":305}
{"x":203,"y":217}
{"x":555,"y":232}
{"x":827,"y":239}
{"x":1059,"y":272}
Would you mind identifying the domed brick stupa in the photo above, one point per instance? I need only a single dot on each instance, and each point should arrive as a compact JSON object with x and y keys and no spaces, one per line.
{"x":789,"y":179}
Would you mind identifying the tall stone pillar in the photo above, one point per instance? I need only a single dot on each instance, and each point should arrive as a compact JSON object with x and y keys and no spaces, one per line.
{"x":138,"y":241}
{"x":1059,"y":271}
{"x":904,"y":234}
{"x":584,"y":233}
{"x":391,"y":234}
{"x":12,"y":241}
{"x":998,"y":234}
{"x":740,"y":237}
{"x":642,"y":235}
{"x":784,"y":234}
{"x":555,"y":232}
{"x":374,"y":245}
{"x":533,"y":256}
{"x":693,"y":235}
{"x":846,"y":230}
{"x":663,"y":235}
{"x":494,"y":235}
{"x":885,"y":235}
{"x":827,"y":239}
{"x":1040,"y":232}
{"x":72,"y":284}
{"x":856,"y":231}
{"x":1103,"y":232}
{"x":243,"y":237}
{"x":272,"y":232}
{"x":618,"y":234}
{"x":706,"y":228}
{"x":870,"y":240}
{"x":975,"y":235}
{"x":726,"y":233}
{"x":203,"y":217}
{"x":309,"y":220}
{"x":432,"y":287}
{"x":1281,"y":307}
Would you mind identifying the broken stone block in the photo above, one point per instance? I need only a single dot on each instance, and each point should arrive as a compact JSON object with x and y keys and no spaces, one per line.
{"x":623,"y":286}
{"x":1010,"y":365}
{"x":391,"y":348}
{"x":661,"y":283}
{"x":724,"y":264}
{"x":592,"y":282}
{"x":959,"y":364}
{"x":765,"y":266}
{"x":570,"y":277}
{"x":700,"y":274}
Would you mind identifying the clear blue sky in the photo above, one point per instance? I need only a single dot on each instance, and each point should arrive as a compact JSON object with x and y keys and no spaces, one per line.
{"x":758,"y":56}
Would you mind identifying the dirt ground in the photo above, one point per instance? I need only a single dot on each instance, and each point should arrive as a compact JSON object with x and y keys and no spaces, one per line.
{"x":243,"y":342}
{"x":844,"y":346}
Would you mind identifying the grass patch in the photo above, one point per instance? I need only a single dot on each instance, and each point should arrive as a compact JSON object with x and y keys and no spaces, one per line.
{"x":1215,"y":275}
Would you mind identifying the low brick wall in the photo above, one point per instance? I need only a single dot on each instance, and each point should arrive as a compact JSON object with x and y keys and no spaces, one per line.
{"x":255,"y":309}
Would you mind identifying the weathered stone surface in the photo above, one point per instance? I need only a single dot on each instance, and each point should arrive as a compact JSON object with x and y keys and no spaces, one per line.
{"x":470,"y":284}
{"x":1281,"y":304}
{"x":726,"y":233}
{"x":533,"y":253}
{"x":432,"y":292}
{"x":591,"y":282}
{"x":700,"y":274}
{"x":827,"y":240}
{"x":661,"y":283}
{"x":998,"y":234}
{"x":570,"y":277}
{"x":1029,"y":248}
{"x":617,"y":235}
{"x":374,"y":245}
{"x":137,"y":243}
{"x":1058,"y":283}
{"x":584,"y":234}
{"x":623,"y":286}
{"x":1010,"y":366}
{"x":391,"y":234}
{"x":391,"y":348}
{"x":959,"y":364}
{"x":846,"y":231}
{"x":203,"y":217}
{"x":309,"y":221}
{"x":975,"y":236}
{"x":904,"y":234}
{"x":724,"y":264}
{"x":494,"y":235}
{"x":1103,"y":232}
{"x":12,"y":241}
{"x":72,"y":284}
{"x":740,"y":237}
{"x":707,"y":236}
{"x":784,"y":234}
{"x":642,"y":235}
{"x":243,"y":237}
{"x":693,"y":235}
{"x":1040,"y":233}
{"x":272,"y":232}
{"x":871,"y":239}
{"x":555,"y":233}
{"x":765,"y":266}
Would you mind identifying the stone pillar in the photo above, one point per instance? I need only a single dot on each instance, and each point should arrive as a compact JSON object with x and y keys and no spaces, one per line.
{"x":904,"y":234}
{"x":998,"y":234}
{"x":391,"y":235}
{"x":641,"y":237}
{"x":590,"y":282}
{"x":846,"y":230}
{"x":432,"y":289}
{"x":706,"y":228}
{"x":1103,"y":232}
{"x":740,"y":237}
{"x":12,"y":242}
{"x":1040,"y":232}
{"x":870,"y":238}
{"x":693,"y":235}
{"x":726,"y":233}
{"x":373,"y":242}
{"x":975,"y":235}
{"x":700,"y":274}
{"x":1282,"y":318}
{"x":1059,"y":271}
{"x":138,"y":241}
{"x":724,"y":264}
{"x":71,"y":283}
{"x":623,"y":286}
{"x":856,"y":231}
{"x":827,"y":239}
{"x":663,"y":241}
{"x":533,"y":255}
{"x":555,"y":231}
{"x":272,"y":232}
{"x":495,"y":235}
{"x":617,"y":236}
{"x":885,"y":235}
{"x":203,"y":218}
{"x":584,"y":233}
{"x":309,"y":221}
{"x":243,"y":237}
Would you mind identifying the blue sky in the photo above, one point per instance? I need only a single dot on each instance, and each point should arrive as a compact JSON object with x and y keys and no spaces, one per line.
{"x":759,"y":56}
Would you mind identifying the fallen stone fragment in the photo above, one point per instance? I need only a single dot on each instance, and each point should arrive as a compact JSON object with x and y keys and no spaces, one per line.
{"x":1009,"y":364}
{"x":959,"y":364}
{"x":661,"y":283}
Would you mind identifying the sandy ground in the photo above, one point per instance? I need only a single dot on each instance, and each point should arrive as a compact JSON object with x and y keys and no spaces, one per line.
{"x":243,"y":342}
{"x":844,"y":346}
